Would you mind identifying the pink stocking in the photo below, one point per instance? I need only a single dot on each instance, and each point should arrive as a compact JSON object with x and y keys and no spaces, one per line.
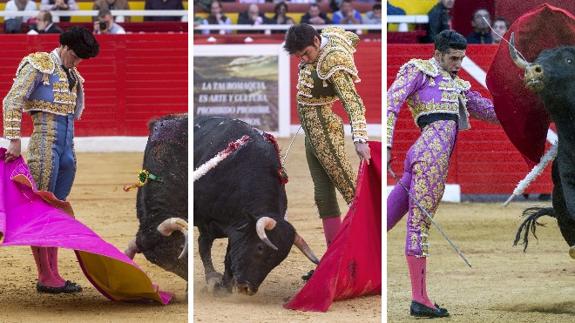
{"x":417,"y":273}
{"x":330,"y":228}
{"x":53,"y":260}
{"x":45,"y":275}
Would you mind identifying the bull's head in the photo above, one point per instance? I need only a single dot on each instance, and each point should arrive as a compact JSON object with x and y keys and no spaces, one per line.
{"x":552,"y":71}
{"x":256,"y":248}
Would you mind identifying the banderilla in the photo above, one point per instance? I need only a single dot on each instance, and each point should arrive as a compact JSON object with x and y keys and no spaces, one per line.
{"x":437,"y":226}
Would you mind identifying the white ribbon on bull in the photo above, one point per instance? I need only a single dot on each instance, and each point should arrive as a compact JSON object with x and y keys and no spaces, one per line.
{"x":534,"y":173}
{"x":219,"y":157}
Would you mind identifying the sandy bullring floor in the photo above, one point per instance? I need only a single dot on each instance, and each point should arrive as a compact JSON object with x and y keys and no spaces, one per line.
{"x":100,"y":203}
{"x":284,"y":281}
{"x":504,"y":285}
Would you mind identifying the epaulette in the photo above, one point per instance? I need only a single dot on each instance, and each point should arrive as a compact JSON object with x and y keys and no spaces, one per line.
{"x":424,"y":65}
{"x":40,"y":61}
{"x":350,"y":38}
{"x":462,"y":84}
{"x":335,"y":59}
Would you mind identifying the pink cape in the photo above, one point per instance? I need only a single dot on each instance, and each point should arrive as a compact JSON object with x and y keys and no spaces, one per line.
{"x":351,"y":266}
{"x":36,"y":218}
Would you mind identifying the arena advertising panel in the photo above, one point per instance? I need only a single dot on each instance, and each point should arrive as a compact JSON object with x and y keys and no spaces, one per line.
{"x":247,"y":82}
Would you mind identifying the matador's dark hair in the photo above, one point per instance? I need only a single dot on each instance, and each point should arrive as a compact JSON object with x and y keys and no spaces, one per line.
{"x":299,"y":37}
{"x":81,"y":41}
{"x":449,"y":39}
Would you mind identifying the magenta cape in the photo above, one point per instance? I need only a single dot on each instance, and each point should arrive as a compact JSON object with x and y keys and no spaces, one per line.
{"x":34,"y":218}
{"x":351,"y":266}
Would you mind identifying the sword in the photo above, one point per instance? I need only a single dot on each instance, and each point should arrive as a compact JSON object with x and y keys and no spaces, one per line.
{"x":429,"y":217}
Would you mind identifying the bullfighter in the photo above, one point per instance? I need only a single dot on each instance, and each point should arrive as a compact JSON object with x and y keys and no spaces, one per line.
{"x":440,"y":103}
{"x":49,"y":87}
{"x":327,"y":73}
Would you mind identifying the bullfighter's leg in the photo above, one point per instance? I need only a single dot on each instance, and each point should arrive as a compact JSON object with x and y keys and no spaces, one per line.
{"x":328,"y":163}
{"x":51,"y":141}
{"x":398,"y":200}
{"x":429,"y":158}
{"x":213,"y":278}
{"x":324,"y":194}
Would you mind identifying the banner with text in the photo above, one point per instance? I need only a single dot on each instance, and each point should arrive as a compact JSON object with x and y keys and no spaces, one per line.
{"x":239,"y":84}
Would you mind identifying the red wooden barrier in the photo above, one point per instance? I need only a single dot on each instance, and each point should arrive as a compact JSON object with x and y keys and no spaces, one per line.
{"x":135,"y":78}
{"x":484,"y":160}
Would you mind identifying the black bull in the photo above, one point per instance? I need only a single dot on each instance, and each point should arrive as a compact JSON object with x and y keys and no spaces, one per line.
{"x":162,"y":203}
{"x":242,"y":198}
{"x":552,"y":77}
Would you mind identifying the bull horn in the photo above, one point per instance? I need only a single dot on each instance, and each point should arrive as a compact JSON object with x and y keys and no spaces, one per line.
{"x":300,"y":243}
{"x":263,"y":224}
{"x":520,"y":62}
{"x":572,"y":251}
{"x":170,"y":225}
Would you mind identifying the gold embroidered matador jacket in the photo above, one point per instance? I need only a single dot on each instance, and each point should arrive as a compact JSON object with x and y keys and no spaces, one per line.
{"x":332,"y":77}
{"x":429,"y":89}
{"x":41,"y":84}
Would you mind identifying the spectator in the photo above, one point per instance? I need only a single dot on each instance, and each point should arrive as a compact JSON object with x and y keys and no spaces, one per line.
{"x":500,"y":25}
{"x":45,"y":24}
{"x":13,"y":24}
{"x":251,"y":1}
{"x":53,"y":5}
{"x":280,"y":17}
{"x":314,"y":16}
{"x":217,"y":17}
{"x":346,"y":15}
{"x":113,"y":5}
{"x":373,"y":17}
{"x":439,"y":19}
{"x":163,"y":5}
{"x":480,"y":22}
{"x":252,"y":16}
{"x":394,"y":11}
{"x":106,"y":24}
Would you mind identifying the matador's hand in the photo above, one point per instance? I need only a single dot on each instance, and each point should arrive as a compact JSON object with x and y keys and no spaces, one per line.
{"x":13,"y":151}
{"x":363,"y":151}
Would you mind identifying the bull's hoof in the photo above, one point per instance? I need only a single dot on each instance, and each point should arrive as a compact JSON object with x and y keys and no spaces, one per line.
{"x":215,"y":284}
{"x":572,"y":251}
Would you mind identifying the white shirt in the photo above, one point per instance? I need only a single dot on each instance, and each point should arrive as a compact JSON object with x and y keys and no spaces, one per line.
{"x":11,"y":6}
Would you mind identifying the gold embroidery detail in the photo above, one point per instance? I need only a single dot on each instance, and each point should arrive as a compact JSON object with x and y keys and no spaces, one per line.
{"x":44,"y":106}
{"x":352,"y":103}
{"x":324,"y":129}
{"x":14,"y":102}
{"x":40,"y":160}
{"x":40,"y":61}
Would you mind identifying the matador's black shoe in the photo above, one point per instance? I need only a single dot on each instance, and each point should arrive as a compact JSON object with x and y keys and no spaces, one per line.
{"x":69,"y":287}
{"x":420,"y":310}
{"x":307,"y":276}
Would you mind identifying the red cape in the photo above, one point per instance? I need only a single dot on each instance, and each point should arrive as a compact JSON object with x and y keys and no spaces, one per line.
{"x":519,"y":110}
{"x":351,"y":266}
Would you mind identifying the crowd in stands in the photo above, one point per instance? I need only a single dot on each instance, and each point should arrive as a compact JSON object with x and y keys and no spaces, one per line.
{"x":485,"y":31}
{"x":104,"y":22}
{"x":342,"y":12}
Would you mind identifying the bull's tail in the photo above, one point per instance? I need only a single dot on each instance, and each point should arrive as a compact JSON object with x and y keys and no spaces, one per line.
{"x":530,"y":223}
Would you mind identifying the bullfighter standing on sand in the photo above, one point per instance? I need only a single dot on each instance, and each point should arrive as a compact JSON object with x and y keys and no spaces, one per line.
{"x":49,"y":87}
{"x":440,"y":103}
{"x":327,"y":73}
